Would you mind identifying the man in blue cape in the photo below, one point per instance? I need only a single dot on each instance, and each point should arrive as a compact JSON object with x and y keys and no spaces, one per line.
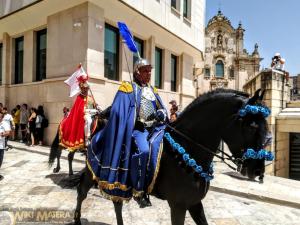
{"x":124,"y":156}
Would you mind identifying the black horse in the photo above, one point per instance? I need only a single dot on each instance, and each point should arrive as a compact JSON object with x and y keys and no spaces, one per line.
{"x":209,"y":119}
{"x":99,"y":122}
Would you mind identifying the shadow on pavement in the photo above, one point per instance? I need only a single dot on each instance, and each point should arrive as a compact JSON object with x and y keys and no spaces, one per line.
{"x":64,"y":180}
{"x":238,"y":176}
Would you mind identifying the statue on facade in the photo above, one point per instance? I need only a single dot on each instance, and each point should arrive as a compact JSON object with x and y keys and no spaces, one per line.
{"x":219,"y":40}
{"x":213,"y":42}
{"x":226,"y":42}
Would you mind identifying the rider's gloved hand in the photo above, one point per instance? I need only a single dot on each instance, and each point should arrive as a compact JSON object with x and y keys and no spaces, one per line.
{"x":161,"y":115}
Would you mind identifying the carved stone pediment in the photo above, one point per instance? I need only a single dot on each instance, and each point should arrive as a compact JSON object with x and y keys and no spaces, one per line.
{"x":216,"y":82}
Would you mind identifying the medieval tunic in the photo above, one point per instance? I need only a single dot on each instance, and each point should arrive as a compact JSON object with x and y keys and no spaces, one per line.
{"x":71,"y":129}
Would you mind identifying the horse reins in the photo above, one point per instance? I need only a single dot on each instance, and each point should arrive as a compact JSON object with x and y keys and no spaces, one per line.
{"x":231,"y":158}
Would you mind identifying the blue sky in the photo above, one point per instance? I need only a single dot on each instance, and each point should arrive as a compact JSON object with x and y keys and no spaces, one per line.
{"x":273,"y":24}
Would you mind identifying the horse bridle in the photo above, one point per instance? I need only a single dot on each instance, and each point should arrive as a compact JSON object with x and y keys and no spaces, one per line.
{"x":237,"y":161}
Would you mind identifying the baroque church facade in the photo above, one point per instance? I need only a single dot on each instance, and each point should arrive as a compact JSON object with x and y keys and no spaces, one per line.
{"x":226,"y":63}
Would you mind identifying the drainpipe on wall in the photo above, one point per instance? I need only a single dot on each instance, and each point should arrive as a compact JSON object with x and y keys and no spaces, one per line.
{"x":195,"y":79}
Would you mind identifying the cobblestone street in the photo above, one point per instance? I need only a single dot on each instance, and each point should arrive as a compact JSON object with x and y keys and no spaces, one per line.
{"x":29,"y":184}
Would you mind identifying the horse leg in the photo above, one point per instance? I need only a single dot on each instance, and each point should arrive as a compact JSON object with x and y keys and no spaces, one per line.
{"x":57,"y":168}
{"x":70,"y":159}
{"x":197,"y":213}
{"x":86,"y":182}
{"x":177,"y":215}
{"x":118,"y":210}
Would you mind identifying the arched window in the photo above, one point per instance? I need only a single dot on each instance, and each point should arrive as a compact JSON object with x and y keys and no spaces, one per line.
{"x":219,"y":69}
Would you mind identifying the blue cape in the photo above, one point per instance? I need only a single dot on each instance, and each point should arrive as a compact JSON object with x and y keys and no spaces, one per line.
{"x":110,"y":151}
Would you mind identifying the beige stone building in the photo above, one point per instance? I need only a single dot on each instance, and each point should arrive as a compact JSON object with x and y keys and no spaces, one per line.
{"x":43,"y":41}
{"x":227,"y":63}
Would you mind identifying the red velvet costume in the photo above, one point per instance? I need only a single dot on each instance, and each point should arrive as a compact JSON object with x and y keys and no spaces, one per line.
{"x":71,"y":129}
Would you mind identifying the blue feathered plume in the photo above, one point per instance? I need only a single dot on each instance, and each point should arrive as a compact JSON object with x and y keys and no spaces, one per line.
{"x":127,"y":36}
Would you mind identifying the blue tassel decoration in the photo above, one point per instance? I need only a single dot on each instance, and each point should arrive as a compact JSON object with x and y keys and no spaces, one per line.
{"x":190,"y":161}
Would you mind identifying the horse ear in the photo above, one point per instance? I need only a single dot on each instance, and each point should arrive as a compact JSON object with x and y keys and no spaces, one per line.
{"x":262,"y":95}
{"x":255,"y":97}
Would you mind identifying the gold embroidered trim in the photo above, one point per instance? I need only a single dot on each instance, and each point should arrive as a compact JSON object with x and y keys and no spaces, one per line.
{"x":105,"y":184}
{"x":113,"y":197}
{"x":70,"y":146}
{"x":150,"y":188}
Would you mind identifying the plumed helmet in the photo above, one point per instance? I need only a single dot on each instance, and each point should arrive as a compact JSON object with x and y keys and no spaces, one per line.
{"x":140,"y":63}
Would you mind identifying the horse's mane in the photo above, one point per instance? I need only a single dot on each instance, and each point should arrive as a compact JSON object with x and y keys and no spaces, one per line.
{"x":211,"y":96}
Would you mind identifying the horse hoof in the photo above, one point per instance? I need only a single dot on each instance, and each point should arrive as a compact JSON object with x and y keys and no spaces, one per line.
{"x":77,"y":222}
{"x":56,"y":170}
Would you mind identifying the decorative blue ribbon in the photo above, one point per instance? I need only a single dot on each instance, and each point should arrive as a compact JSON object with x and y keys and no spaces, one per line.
{"x":261,"y":154}
{"x":253,"y":109}
{"x":190,"y":161}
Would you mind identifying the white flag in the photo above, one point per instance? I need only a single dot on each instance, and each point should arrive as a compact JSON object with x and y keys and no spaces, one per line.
{"x":73,"y":82}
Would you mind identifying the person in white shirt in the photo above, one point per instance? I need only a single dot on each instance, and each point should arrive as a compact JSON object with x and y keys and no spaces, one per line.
{"x":10,"y":122}
{"x":8,"y":118}
{"x":4,"y":132}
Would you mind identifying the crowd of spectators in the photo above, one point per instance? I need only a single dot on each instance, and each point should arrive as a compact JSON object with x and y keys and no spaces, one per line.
{"x":26,"y":125}
{"x":22,"y":124}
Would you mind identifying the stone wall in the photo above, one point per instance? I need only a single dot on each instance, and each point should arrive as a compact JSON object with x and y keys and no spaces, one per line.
{"x":276,"y":96}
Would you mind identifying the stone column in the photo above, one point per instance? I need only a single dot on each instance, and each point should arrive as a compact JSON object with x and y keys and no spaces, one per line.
{"x":29,"y":57}
{"x":6,"y":68}
{"x":95,"y":45}
{"x":150,"y":55}
{"x":167,"y":70}
{"x":276,"y":97}
{"x":274,"y":83}
{"x":7,"y":54}
{"x":186,"y":80}
{"x":67,"y":42}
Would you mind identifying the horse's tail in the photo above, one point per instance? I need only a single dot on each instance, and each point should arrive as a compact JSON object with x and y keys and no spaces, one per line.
{"x":54,"y":150}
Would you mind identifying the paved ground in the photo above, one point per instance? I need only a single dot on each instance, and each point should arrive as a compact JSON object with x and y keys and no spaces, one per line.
{"x":30,"y":190}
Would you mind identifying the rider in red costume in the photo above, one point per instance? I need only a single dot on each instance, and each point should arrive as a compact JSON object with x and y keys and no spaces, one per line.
{"x":74,"y":130}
